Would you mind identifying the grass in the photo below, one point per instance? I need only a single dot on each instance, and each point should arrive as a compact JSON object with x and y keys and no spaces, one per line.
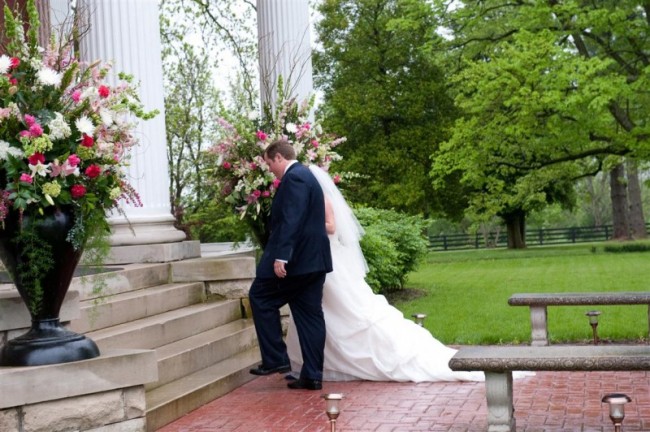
{"x":465,"y":293}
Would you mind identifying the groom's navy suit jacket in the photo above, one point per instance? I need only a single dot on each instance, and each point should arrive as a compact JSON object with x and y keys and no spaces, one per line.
{"x":297,"y":227}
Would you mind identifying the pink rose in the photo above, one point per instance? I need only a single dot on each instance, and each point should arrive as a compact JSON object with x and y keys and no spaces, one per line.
{"x":73,"y":160}
{"x":35,"y":130}
{"x":257,"y":193}
{"x":26,"y":178}
{"x":93,"y":171}
{"x":103,"y":91}
{"x":261,"y":135}
{"x":36,"y":158}
{"x":276,"y":183}
{"x":77,"y":191}
{"x":76,"y":96}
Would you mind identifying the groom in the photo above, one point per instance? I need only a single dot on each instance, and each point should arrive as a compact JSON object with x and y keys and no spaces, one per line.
{"x":292,"y":270}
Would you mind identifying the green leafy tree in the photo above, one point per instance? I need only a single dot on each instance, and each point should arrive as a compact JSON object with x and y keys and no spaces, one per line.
{"x":551,"y":92}
{"x":384,"y":92}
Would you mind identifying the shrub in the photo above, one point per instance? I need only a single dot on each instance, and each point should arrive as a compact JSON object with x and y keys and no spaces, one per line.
{"x":627,"y":247}
{"x":393,"y":246}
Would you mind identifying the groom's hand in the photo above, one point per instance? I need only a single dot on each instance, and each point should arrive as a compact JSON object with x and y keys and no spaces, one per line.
{"x":278,"y":268}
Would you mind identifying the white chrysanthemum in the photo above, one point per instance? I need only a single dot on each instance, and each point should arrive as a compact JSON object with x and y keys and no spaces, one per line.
{"x":291,"y":127}
{"x":6,"y":149}
{"x":85,"y":125}
{"x":59,"y":128}
{"x":107,"y":116}
{"x":5,"y":64}
{"x":48,"y":76}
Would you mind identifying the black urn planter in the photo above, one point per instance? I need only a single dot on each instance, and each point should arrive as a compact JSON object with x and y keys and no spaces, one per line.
{"x":42,"y":287}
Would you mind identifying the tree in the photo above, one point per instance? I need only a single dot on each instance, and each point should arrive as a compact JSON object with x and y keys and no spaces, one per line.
{"x":384,"y":92}
{"x":550,"y":91}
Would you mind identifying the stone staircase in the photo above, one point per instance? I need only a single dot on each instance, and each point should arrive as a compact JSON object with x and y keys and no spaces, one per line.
{"x":191,"y":312}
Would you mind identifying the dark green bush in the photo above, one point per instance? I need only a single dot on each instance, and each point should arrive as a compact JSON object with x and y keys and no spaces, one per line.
{"x":393,"y":245}
{"x":627,"y":247}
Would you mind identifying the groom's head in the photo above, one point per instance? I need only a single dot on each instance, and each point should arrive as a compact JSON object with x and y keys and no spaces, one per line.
{"x":278,"y":155}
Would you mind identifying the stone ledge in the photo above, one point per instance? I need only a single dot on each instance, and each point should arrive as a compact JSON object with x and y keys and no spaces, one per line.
{"x":114,"y":369}
{"x":552,"y":358}
{"x":579,"y":299}
{"x":213,"y":269}
{"x":154,"y":253}
{"x":14,"y":314}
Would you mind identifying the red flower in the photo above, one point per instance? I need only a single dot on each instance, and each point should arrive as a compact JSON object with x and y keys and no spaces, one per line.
{"x":77,"y":191}
{"x":87,"y":141}
{"x":36,"y":158}
{"x":226,"y":165}
{"x":93,"y":171}
{"x":15,"y":62}
{"x":261,"y":135}
{"x":103,"y":91}
{"x":337,"y":179}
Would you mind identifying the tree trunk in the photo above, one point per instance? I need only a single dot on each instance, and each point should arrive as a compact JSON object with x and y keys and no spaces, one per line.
{"x":636,"y":218}
{"x":516,"y":226}
{"x":618,"y":193}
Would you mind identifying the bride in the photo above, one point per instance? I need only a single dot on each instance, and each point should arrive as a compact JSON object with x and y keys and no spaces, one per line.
{"x":367,"y":338}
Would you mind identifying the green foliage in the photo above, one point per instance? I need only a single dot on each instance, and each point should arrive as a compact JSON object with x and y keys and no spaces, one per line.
{"x":385,"y":93}
{"x":214,"y":221}
{"x":393,"y":245}
{"x":627,"y":247}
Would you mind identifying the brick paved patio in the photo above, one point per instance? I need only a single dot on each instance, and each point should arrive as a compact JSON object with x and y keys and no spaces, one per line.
{"x":547,"y":402}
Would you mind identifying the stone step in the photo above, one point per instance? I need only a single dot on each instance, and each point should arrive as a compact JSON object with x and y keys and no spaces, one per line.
{"x":197,"y":352}
{"x":162,"y":329}
{"x":175,"y":399}
{"x":130,"y":306}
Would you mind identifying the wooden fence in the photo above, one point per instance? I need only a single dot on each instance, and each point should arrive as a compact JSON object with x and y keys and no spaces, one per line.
{"x":533,"y":238}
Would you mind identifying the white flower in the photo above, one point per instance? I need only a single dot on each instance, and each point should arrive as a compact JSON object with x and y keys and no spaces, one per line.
{"x":89,"y":93}
{"x":291,"y":127}
{"x":253,"y":115}
{"x":39,"y":169}
{"x":5,"y":64}
{"x":6,"y":149}
{"x":85,"y":125}
{"x":107,"y":116}
{"x":49,"y":76}
{"x":59,"y":128}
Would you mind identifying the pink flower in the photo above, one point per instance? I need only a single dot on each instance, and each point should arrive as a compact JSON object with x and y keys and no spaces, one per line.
{"x":261,"y":135}
{"x":24,"y":133}
{"x":87,"y":141}
{"x":73,"y":160}
{"x":30,"y":119}
{"x":76,"y":96}
{"x":36,"y":158}
{"x":307,"y":126}
{"x":266,"y":194}
{"x":257,"y":193}
{"x":93,"y":171}
{"x":103,"y":91}
{"x":226,"y":165}
{"x":13,"y":81}
{"x":26,"y":178}
{"x":314,"y":143}
{"x":35,"y":130}
{"x":276,"y":183}
{"x":253,"y":166}
{"x":337,"y":179}
{"x":77,"y":191}
{"x":15,"y":62}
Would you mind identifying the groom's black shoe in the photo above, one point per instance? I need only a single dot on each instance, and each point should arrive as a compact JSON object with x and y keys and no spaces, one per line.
{"x":261,"y":370}
{"x":305,"y":384}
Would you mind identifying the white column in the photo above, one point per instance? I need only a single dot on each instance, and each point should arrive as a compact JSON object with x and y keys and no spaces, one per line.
{"x":127,"y":32}
{"x":284,"y":47}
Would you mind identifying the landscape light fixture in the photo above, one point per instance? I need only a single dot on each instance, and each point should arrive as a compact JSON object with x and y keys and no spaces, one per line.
{"x":419,"y":318}
{"x":333,"y":410}
{"x":593,"y":321}
{"x":617,"y":403}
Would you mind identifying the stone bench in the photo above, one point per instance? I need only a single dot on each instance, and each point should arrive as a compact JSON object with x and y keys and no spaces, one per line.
{"x":539,"y":302}
{"x":498,"y":363}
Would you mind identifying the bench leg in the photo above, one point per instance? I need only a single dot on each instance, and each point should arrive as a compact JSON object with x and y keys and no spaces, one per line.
{"x":498,"y":391}
{"x":538,"y":326}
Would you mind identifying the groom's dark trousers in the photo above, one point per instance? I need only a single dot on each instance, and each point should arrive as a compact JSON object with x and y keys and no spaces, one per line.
{"x":304,"y":295}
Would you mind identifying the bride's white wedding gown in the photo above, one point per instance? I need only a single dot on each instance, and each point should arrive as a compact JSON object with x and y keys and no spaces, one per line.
{"x":367,"y":338}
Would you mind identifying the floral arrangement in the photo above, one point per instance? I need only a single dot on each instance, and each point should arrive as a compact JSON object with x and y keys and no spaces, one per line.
{"x":242,"y":175}
{"x":65,"y":132}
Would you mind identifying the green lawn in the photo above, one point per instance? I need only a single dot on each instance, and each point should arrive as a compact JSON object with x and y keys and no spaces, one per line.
{"x":465,"y":293}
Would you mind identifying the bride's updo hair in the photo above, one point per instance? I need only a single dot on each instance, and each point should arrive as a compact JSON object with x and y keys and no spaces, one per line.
{"x":281,"y":147}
